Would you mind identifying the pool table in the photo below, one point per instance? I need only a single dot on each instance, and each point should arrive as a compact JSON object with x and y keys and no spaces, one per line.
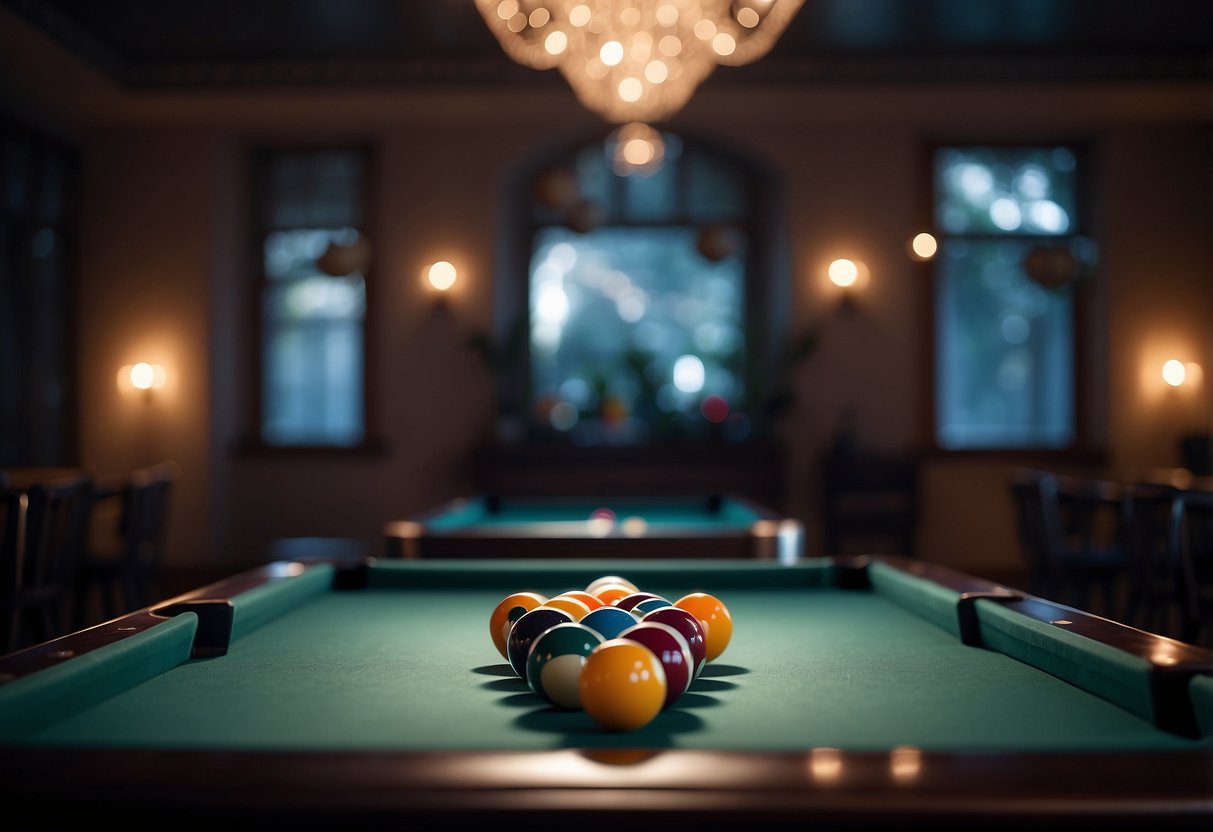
{"x":857,"y":692}
{"x":696,"y":527}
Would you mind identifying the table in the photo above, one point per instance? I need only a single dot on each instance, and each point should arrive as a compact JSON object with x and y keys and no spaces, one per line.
{"x":855,"y":692}
{"x":707,"y":527}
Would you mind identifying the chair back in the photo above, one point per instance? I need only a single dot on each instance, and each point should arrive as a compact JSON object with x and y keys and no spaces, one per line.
{"x":870,"y":500}
{"x":1038,"y":523}
{"x":45,"y":533}
{"x":144,"y":520}
{"x":1152,"y":602}
{"x":1191,"y":546}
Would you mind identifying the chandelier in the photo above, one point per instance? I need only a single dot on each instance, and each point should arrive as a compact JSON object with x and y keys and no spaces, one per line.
{"x":636,"y":60}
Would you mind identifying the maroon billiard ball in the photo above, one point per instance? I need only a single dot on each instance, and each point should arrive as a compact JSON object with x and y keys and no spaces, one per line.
{"x":628,"y":602}
{"x":690,"y":628}
{"x":671,"y":649}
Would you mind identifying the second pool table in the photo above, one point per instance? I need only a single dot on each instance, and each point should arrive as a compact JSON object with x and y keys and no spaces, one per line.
{"x":868,"y":692}
{"x":694,"y":527}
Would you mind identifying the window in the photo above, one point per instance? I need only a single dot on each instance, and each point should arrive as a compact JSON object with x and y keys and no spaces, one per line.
{"x":1008,"y":274}
{"x":641,"y":298}
{"x":312,"y":297}
{"x":38,"y":182}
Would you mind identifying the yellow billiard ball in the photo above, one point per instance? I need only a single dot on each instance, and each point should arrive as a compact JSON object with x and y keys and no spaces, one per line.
{"x":623,"y":685}
{"x":714,"y":616}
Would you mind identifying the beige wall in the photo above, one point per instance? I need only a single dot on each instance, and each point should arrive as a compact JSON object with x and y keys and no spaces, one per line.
{"x":164,"y":264}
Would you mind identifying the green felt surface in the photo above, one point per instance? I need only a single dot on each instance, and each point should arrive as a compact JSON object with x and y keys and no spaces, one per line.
{"x":658,"y":513}
{"x":400,"y":669}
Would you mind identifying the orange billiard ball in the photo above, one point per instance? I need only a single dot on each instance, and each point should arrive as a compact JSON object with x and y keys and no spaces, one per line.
{"x":623,"y":685}
{"x":509,"y":610}
{"x":592,"y":601}
{"x":714,"y":616}
{"x":612,"y":593}
{"x":574,"y":607}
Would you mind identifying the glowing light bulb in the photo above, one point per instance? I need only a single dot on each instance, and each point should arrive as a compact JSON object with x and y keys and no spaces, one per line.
{"x":442,"y":275}
{"x":843,"y":273}
{"x":1174,"y":372}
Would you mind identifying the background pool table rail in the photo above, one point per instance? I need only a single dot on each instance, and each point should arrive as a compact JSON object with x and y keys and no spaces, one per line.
{"x":559,"y":527}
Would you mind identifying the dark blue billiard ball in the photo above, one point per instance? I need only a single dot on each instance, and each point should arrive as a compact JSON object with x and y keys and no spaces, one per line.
{"x":610,"y":621}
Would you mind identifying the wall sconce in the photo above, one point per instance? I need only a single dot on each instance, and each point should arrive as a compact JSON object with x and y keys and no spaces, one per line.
{"x":850,"y":276}
{"x":142,"y":376}
{"x":441,"y":275}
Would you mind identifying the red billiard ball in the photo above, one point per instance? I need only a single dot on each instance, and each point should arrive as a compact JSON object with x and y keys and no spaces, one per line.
{"x":671,"y":650}
{"x":687,"y":624}
{"x":526,"y":629}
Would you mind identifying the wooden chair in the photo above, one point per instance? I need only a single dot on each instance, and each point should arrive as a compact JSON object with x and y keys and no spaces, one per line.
{"x":870,"y":504}
{"x":1191,"y":543}
{"x":1071,"y":531}
{"x":1152,"y":600}
{"x":122,"y":570}
{"x":45,"y":532}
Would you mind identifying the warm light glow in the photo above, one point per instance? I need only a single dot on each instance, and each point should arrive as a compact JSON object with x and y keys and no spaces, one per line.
{"x":843,"y":273}
{"x":825,"y":765}
{"x":639,"y":149}
{"x":923,"y":246}
{"x":142,"y":376}
{"x":905,"y":763}
{"x":602,"y":49}
{"x":1174,"y":372}
{"x":441,"y":275}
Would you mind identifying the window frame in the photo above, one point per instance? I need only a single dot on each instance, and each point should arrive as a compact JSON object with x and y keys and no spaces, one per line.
{"x":1083,"y":447}
{"x":260,"y":158}
{"x":765,"y":283}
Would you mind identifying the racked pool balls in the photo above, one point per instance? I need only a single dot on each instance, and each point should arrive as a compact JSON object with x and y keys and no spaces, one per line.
{"x":610,"y":621}
{"x":715,"y":618}
{"x":526,"y":629}
{"x":671,"y":650}
{"x":509,"y":610}
{"x":623,"y":685}
{"x":553,"y":665}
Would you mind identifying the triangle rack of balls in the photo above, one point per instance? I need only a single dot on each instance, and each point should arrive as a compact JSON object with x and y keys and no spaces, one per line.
{"x":617,"y":652}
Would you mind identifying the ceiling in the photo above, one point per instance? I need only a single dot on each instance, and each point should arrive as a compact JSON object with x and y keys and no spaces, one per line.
{"x":189,"y":43}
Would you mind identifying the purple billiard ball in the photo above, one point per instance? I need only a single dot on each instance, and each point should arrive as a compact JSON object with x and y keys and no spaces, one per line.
{"x":687,"y":624}
{"x":609,"y":622}
{"x":671,"y":650}
{"x":526,"y":629}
